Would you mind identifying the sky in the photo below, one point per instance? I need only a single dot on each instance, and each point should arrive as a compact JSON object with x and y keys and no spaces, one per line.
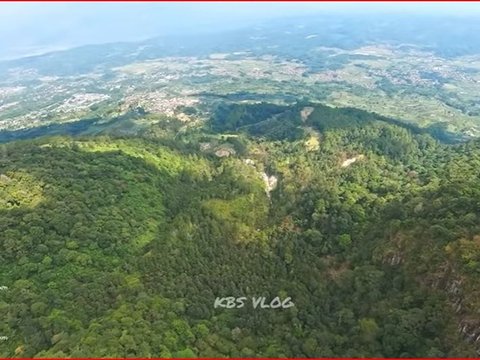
{"x":31,"y":28}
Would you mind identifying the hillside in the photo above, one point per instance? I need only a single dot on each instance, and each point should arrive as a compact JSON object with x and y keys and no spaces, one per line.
{"x":116,"y":242}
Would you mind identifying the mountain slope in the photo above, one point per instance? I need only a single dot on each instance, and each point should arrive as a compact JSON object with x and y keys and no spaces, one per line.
{"x":119,"y":246}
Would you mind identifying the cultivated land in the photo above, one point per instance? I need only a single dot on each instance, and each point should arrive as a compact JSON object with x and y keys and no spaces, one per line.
{"x":408,"y":82}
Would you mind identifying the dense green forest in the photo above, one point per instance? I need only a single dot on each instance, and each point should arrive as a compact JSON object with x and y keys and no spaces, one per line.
{"x":118,"y":246}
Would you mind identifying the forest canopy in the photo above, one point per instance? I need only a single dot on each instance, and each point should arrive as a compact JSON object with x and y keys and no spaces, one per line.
{"x":118,"y":246}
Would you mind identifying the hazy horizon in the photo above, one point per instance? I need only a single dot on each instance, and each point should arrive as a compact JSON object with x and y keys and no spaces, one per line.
{"x":29,"y":28}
